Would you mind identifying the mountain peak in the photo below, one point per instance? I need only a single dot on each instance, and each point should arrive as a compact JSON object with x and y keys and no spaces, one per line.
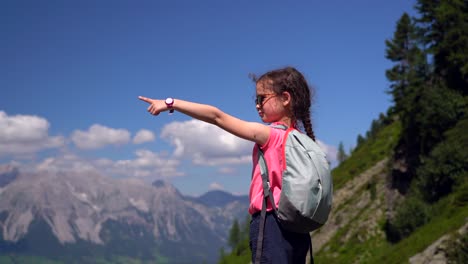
{"x":159,"y":183}
{"x":8,"y":173}
{"x":220,"y":198}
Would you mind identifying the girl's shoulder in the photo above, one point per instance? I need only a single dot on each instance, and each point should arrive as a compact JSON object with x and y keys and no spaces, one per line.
{"x":277,"y":133}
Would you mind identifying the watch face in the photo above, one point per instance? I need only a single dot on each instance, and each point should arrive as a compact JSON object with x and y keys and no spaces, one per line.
{"x":169,"y":101}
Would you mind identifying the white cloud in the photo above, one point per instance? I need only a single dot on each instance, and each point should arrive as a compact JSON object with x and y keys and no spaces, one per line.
{"x":143,"y":136}
{"x":330,"y":151}
{"x":147,"y":164}
{"x":206,"y":144}
{"x":216,"y":186}
{"x":226,"y":170}
{"x":99,"y":136}
{"x":67,"y":162}
{"x":25,"y":134}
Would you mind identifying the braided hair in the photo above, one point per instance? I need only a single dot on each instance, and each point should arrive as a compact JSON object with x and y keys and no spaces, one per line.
{"x":291,"y":80}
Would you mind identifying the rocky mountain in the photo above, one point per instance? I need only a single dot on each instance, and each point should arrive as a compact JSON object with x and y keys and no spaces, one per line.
{"x":92,"y":216}
{"x":8,"y":174}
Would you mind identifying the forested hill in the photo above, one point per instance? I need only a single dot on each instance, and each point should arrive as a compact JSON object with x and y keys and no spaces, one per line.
{"x":402,"y":194}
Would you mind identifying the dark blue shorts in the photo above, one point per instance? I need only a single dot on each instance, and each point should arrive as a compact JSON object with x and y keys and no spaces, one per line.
{"x":279,"y":246}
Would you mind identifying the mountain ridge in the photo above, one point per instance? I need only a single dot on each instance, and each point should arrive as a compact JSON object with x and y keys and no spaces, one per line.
{"x":84,"y":207}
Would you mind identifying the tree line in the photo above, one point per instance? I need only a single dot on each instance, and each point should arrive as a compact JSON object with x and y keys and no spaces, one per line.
{"x":429,"y":86}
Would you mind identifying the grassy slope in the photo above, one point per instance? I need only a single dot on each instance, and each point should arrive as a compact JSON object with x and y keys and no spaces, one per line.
{"x":375,"y":249}
{"x":351,"y":245}
{"x":367,"y":155}
{"x":356,"y":240}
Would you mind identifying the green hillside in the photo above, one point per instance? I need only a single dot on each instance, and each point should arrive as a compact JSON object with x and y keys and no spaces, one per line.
{"x":358,"y":221}
{"x":402,"y":194}
{"x":363,"y":238}
{"x":371,"y":151}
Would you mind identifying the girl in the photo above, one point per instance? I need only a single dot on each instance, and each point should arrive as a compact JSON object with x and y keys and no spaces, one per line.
{"x":282,"y":97}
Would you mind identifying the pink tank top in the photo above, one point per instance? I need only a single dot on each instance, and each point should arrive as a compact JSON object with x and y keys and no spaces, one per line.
{"x":273,"y":152}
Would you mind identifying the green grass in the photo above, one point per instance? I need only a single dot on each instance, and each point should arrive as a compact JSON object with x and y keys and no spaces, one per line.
{"x":13,"y":259}
{"x":244,"y":258}
{"x":367,"y":155}
{"x":6,"y":260}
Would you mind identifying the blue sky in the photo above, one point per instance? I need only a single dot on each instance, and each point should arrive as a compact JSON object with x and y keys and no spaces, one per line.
{"x":71,"y":72}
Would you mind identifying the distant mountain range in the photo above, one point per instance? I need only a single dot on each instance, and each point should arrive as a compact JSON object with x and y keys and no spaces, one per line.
{"x":82,"y":218}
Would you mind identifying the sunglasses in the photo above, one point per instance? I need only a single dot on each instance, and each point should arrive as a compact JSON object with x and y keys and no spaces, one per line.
{"x":260,"y":98}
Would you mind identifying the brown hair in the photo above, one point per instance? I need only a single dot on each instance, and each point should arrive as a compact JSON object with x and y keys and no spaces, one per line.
{"x":291,"y":80}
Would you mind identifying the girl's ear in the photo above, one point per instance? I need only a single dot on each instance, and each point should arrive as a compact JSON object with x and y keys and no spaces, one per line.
{"x":286,"y":98}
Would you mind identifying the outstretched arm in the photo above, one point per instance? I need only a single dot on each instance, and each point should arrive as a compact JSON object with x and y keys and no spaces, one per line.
{"x":252,"y":131}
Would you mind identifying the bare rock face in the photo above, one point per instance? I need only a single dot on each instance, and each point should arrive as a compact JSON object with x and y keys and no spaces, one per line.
{"x":436,"y":252}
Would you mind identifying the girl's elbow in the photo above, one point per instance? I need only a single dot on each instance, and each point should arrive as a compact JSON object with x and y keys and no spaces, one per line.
{"x":218,"y":118}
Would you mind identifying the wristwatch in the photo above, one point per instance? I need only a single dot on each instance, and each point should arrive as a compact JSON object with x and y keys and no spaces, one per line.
{"x":169,"y":103}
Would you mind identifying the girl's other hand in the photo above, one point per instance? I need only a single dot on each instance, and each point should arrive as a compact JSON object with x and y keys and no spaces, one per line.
{"x":156,"y":106}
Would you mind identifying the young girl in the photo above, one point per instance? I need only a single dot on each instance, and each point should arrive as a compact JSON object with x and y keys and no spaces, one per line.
{"x":282,"y":97}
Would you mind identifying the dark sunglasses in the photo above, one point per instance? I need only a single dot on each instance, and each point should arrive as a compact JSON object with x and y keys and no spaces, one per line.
{"x":260,"y":98}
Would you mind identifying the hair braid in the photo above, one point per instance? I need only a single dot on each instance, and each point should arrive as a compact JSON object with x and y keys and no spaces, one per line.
{"x":308,"y":125}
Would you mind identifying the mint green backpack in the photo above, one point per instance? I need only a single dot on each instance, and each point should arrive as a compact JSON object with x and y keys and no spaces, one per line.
{"x":307,"y":189}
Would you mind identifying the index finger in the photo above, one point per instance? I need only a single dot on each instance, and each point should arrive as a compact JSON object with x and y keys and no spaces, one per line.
{"x":148,"y":100}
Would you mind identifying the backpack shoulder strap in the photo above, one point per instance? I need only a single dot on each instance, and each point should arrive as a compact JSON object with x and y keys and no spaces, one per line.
{"x":265,"y":178}
{"x":267,"y":194}
{"x":280,"y":126}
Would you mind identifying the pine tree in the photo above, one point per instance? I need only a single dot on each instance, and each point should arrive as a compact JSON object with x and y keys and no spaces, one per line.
{"x":408,"y":79}
{"x":443,"y":25}
{"x":360,"y":141}
{"x":234,"y":235}
{"x":443,"y":29}
{"x":429,"y":100}
{"x":341,"y":155}
{"x":410,"y":66}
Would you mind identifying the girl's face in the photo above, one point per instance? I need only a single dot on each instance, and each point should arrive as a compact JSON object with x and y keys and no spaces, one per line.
{"x":270,"y":106}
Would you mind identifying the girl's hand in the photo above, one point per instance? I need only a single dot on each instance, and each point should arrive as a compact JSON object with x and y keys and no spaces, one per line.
{"x":156,"y":106}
